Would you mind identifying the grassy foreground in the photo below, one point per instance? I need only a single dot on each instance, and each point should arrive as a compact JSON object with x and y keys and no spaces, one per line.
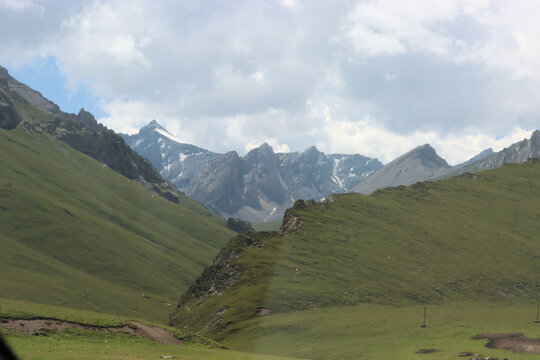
{"x":79,"y":345}
{"x":369,"y":331}
{"x":76,"y":343}
{"x":365,"y":331}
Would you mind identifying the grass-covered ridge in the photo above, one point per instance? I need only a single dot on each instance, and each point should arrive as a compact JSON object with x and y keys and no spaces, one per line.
{"x":469,"y":238}
{"x":74,"y":233}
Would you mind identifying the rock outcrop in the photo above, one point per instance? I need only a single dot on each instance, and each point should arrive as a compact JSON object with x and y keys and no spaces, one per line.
{"x":81,"y":131}
{"x":238,"y":225}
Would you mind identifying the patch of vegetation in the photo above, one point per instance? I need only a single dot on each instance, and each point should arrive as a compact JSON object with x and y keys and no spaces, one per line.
{"x":75,"y":233}
{"x":268,"y":226}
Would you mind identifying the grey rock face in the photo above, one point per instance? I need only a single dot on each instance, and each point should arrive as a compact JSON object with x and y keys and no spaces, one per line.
{"x":514,"y":154}
{"x":238,"y":225}
{"x":407,"y":169}
{"x":31,"y":96}
{"x":480,"y":156}
{"x":9,"y":118}
{"x":89,"y":121}
{"x":257,"y":187}
{"x":219,"y":185}
{"x":270,"y":182}
{"x":175,"y":161}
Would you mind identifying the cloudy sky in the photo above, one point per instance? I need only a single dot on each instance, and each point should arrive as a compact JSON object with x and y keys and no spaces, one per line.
{"x":370,"y":77}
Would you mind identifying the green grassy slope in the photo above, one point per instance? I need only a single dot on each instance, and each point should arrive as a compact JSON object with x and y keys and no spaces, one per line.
{"x":465,"y":238}
{"x":381,"y":332}
{"x":75,"y":233}
{"x":267,"y":226}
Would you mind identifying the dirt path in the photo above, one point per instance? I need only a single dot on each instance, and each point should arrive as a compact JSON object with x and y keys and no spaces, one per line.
{"x":154,"y":333}
{"x":514,"y":341}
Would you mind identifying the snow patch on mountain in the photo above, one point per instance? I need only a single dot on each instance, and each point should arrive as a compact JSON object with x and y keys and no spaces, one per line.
{"x":167,"y":134}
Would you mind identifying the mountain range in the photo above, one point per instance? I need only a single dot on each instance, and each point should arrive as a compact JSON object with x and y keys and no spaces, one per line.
{"x":423,"y":164}
{"x":257,"y":187}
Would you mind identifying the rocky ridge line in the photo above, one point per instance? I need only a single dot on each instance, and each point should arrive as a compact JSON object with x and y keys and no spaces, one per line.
{"x":82,"y":132}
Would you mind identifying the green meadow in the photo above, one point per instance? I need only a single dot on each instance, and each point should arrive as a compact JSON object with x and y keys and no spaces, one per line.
{"x":369,"y":331}
{"x":75,"y":233}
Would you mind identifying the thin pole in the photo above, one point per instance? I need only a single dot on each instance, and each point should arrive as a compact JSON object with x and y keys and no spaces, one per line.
{"x":537,"y":314}
{"x":424,"y":322}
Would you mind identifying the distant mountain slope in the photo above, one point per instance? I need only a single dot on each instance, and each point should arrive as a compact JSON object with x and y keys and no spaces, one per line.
{"x":468,"y":238}
{"x":176,"y":161}
{"x":407,"y":169}
{"x":261,"y":185}
{"x":514,"y":154}
{"x":75,"y":233}
{"x":22,"y":106}
{"x":480,"y":156}
{"x":257,"y":187}
{"x":250,"y":188}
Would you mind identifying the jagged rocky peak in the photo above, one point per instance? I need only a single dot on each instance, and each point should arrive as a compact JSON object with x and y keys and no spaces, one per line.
{"x":152,"y":125}
{"x":263,"y":152}
{"x":311,"y":152}
{"x":89,"y":121}
{"x":263,"y":149}
{"x":413,"y":166}
{"x":3,"y":72}
{"x":231,"y":155}
{"x":426,"y":153}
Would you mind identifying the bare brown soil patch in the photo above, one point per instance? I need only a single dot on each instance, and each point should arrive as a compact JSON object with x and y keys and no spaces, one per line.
{"x":513,"y":341}
{"x":262,"y":312}
{"x":154,"y":333}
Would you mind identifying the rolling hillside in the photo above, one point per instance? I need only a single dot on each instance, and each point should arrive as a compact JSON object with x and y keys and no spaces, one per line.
{"x":75,"y":233}
{"x":468,"y":238}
